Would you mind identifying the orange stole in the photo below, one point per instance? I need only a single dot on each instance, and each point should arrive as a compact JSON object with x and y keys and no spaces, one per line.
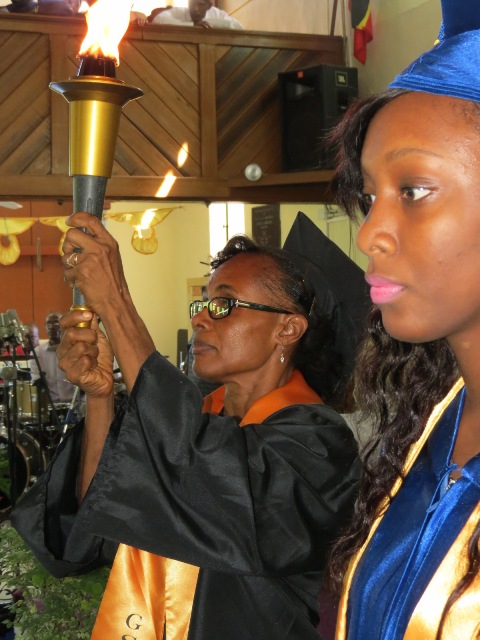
{"x":296,"y":391}
{"x":147,"y":594}
{"x":144,"y":593}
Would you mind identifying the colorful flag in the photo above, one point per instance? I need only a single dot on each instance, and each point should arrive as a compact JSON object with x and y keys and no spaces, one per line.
{"x":362,"y":27}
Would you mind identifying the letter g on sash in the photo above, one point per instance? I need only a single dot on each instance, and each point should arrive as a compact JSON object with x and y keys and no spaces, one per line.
{"x":134,"y":621}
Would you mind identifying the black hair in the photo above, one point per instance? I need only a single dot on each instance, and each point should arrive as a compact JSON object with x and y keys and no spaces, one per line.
{"x":347,"y":139}
{"x":314,"y":356}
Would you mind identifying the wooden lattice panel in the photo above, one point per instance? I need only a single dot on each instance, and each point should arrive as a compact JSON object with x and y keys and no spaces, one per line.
{"x":167,"y":116}
{"x":213,"y":92}
{"x":24,"y":104}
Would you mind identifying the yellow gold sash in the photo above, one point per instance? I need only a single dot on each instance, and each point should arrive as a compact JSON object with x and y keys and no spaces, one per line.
{"x":341,"y":631}
{"x":145,"y":591}
{"x":463,"y":620}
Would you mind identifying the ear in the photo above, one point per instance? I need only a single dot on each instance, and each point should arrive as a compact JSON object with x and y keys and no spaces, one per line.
{"x":293,"y":328}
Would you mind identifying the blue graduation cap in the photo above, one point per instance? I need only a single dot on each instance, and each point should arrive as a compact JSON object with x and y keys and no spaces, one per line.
{"x":451,"y":67}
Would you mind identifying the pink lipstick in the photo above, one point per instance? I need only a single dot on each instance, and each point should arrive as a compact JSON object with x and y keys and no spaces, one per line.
{"x":383,"y":290}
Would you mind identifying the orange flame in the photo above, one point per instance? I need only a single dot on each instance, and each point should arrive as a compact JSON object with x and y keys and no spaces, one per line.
{"x":107,"y":22}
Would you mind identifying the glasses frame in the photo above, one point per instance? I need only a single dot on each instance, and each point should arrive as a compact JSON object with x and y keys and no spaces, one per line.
{"x":232,"y":304}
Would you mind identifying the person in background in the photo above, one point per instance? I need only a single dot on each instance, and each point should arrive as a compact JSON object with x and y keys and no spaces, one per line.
{"x":59,"y":7}
{"x":19,"y":6}
{"x":46,"y":7}
{"x":32,"y":338}
{"x":200,"y":13}
{"x":224,"y":507}
{"x":61,"y":390}
{"x":410,"y":159}
{"x":141,"y":19}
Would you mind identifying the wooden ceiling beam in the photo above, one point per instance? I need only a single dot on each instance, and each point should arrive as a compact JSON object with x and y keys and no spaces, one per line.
{"x":309,"y":186}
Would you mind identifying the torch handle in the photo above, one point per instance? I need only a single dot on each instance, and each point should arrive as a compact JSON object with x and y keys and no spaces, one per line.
{"x":88,"y":196}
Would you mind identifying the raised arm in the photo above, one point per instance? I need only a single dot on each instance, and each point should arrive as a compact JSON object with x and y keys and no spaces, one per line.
{"x":86,"y":355}
{"x":99,"y":276}
{"x":86,"y":358}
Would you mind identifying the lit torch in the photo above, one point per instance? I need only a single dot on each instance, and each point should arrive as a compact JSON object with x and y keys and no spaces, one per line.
{"x":95,"y":100}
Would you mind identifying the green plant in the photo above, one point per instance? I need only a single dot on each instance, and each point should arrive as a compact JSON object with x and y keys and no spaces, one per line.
{"x":4,"y":475}
{"x":50,"y":608}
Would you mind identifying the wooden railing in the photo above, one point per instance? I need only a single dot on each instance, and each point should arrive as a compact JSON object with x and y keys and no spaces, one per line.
{"x":214,"y":91}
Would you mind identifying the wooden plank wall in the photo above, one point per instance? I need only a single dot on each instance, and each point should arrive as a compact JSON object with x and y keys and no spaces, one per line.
{"x":214,"y":91}
{"x":248,"y":108}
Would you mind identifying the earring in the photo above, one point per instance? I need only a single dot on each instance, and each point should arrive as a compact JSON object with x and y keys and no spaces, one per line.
{"x":282,"y":355}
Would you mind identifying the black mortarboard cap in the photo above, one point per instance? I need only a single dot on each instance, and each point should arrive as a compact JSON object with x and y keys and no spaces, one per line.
{"x":341,"y":292}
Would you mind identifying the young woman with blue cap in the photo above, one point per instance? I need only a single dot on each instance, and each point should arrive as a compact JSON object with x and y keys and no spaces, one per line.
{"x":410,"y":159}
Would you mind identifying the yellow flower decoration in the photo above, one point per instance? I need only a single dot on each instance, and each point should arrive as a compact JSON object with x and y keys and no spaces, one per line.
{"x":10,"y":228}
{"x":144,"y":239}
{"x":146,"y":243}
{"x":60,"y":223}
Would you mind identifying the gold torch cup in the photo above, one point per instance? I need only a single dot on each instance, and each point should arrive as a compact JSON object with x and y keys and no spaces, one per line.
{"x":95,"y":105}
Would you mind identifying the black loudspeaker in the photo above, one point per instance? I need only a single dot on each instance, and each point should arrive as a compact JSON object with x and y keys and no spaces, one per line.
{"x":312,"y":101}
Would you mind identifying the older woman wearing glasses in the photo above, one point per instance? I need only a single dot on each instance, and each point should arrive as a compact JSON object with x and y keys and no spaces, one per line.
{"x":225,"y":509}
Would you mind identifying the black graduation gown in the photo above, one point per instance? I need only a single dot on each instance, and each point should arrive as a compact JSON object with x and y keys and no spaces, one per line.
{"x":256,"y":507}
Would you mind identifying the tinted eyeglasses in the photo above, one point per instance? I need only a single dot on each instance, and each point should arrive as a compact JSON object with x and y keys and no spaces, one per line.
{"x":220,"y":307}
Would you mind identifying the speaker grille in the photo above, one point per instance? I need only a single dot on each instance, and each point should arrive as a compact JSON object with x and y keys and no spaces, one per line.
{"x":312,"y":100}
